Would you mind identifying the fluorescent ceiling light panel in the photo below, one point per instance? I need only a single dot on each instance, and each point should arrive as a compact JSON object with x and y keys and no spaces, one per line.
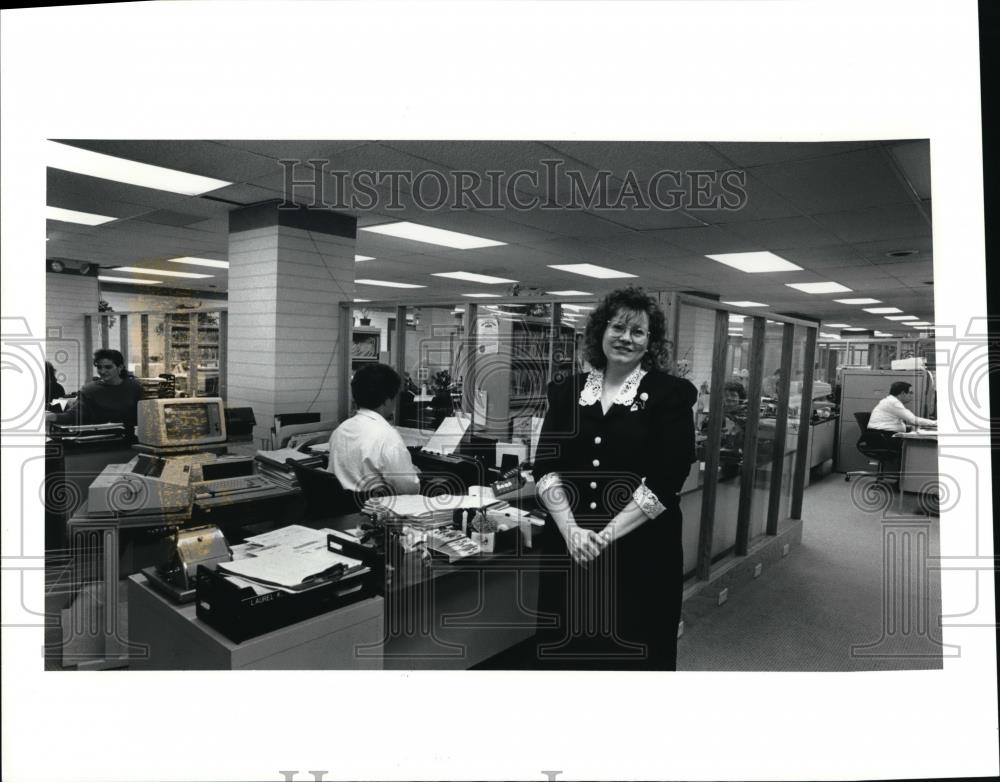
{"x":360,"y":258}
{"x":189,"y":261}
{"x":129,"y":280}
{"x":95,"y":164}
{"x":439,"y":236}
{"x":883,"y":310}
{"x":388,"y":284}
{"x":858,"y":301}
{"x":920,"y":324}
{"x":819,"y":287}
{"x":754,"y":263}
{"x":72,"y":216}
{"x":568,"y":293}
{"x":829,"y":336}
{"x":901,"y":317}
{"x":837,"y":325}
{"x":140,"y":270}
{"x":855,"y":328}
{"x":746,"y":304}
{"x":482,"y":295}
{"x":360,"y":301}
{"x":590,"y":270}
{"x":470,"y":277}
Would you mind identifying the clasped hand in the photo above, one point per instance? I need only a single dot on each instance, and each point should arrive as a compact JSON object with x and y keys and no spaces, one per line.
{"x":585,"y":545}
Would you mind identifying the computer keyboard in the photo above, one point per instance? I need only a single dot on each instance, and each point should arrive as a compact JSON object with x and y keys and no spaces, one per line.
{"x":234,"y":484}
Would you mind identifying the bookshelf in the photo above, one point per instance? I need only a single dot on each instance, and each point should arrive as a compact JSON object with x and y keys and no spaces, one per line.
{"x":192,"y":351}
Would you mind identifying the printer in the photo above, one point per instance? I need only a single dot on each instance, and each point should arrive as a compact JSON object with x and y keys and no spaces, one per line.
{"x":146,"y":484}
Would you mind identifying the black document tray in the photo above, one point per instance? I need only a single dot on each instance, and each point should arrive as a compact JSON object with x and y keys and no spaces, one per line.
{"x":240,"y":613}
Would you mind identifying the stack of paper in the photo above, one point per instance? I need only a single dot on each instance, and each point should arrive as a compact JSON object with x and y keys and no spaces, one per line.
{"x":293,"y":558}
{"x":420,"y":511}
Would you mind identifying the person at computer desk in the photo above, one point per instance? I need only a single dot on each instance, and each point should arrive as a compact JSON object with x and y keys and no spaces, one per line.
{"x":112,"y":398}
{"x":366,"y":453}
{"x":616,"y":445}
{"x":891,"y":416}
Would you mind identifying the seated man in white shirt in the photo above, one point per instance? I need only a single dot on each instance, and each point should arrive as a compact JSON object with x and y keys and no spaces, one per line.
{"x":366,"y":452}
{"x":891,"y":416}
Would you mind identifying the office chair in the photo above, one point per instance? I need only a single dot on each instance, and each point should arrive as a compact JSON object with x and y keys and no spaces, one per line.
{"x":876,"y":454}
{"x":323,"y":493}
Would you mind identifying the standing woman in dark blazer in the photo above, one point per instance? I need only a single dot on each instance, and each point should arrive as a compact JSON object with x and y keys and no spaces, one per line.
{"x":616,"y":445}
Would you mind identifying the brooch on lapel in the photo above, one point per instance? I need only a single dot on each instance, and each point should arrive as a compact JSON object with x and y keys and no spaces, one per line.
{"x":641,"y":404}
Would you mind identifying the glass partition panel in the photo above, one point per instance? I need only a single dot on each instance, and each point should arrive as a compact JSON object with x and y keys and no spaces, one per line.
{"x":769,"y":401}
{"x":434,"y":364}
{"x":693,"y":347}
{"x":799,"y":338}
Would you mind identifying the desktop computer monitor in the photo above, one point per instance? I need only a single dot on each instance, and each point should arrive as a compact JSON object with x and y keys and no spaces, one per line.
{"x":177,"y":422}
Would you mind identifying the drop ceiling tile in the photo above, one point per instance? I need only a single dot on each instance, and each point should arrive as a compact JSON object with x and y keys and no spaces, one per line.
{"x":84,"y":193}
{"x":751,"y":153}
{"x":913,"y":159}
{"x":838,"y":183}
{"x":877,"y":224}
{"x":789,"y":233}
{"x":293,"y":150}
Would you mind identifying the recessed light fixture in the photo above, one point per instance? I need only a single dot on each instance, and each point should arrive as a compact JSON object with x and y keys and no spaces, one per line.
{"x":189,"y":261}
{"x":837,"y":325}
{"x":360,"y":301}
{"x":883,"y":310}
{"x":819,"y":287}
{"x":855,"y":328}
{"x":72,"y":216}
{"x":568,"y":293}
{"x":439,"y":236}
{"x":129,"y":280}
{"x":140,"y":270}
{"x":745,"y":304}
{"x":95,"y":164}
{"x":901,"y":317}
{"x":591,"y":270}
{"x":482,"y":295}
{"x":470,"y":277}
{"x":858,"y":301}
{"x":920,"y":324}
{"x":360,"y":258}
{"x":756,"y":262}
{"x":388,"y":284}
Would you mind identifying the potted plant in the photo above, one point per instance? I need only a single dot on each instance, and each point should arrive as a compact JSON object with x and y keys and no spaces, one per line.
{"x":364,"y":320}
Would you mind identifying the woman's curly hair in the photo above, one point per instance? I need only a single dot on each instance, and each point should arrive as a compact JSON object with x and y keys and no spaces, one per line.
{"x":629,"y":299}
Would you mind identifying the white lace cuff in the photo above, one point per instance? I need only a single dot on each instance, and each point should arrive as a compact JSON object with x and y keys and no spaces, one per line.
{"x":648,"y":502}
{"x":546,"y":481}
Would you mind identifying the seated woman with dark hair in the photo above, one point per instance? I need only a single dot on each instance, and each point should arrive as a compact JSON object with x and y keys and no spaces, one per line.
{"x":366,"y":453}
{"x":112,"y":398}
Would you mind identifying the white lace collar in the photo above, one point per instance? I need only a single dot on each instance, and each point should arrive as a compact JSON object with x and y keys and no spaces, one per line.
{"x":595,"y":386}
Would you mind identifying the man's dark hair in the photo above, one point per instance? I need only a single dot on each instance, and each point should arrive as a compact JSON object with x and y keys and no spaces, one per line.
{"x":112,"y":355}
{"x":630,"y":300}
{"x":899,"y":387}
{"x":373,"y":384}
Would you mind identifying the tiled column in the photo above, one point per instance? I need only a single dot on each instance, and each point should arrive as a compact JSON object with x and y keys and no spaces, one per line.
{"x":288,"y":270}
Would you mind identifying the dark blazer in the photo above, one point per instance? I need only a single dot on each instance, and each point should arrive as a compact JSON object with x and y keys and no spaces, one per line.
{"x":602,"y":459}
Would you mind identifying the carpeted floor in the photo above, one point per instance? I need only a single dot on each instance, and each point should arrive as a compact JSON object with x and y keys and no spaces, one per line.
{"x":812,"y":610}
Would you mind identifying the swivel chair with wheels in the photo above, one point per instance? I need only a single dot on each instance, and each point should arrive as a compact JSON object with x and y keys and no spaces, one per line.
{"x":877,"y":454}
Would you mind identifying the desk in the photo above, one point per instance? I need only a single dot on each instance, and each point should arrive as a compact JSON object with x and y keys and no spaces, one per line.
{"x":171,"y":637}
{"x":919,"y":462}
